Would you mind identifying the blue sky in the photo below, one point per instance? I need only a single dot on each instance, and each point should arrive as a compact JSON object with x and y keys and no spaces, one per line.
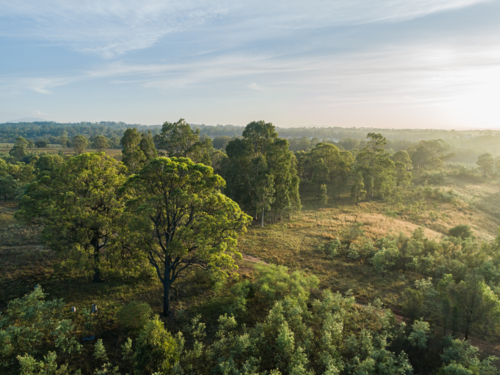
{"x":385,"y":63}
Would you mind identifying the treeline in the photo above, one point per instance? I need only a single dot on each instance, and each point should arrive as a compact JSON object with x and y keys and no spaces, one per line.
{"x":467,"y":144}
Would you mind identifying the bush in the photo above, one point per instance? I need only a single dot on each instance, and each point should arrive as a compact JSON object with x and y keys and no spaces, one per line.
{"x":135,"y":315}
{"x":462,"y":230}
{"x":156,"y":349}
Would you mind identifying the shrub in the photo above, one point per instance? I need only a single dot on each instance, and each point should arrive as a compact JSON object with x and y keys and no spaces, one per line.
{"x":135,"y":315}
{"x":462,"y":230}
{"x":156,"y":350}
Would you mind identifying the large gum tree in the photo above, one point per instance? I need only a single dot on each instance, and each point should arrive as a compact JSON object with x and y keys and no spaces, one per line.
{"x":179,"y":218}
{"x":76,"y":204}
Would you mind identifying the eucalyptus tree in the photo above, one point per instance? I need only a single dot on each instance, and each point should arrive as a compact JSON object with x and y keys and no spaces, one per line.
{"x":179,"y":219}
{"x":430,"y":154}
{"x":486,"y":163}
{"x":260,"y":146}
{"x":358,"y":191}
{"x":79,"y":143}
{"x":18,"y":150}
{"x":78,"y":208}
{"x":100,"y":142}
{"x":376,"y":166}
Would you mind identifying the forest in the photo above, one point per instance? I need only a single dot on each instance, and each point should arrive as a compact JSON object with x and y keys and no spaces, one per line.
{"x":197,"y":249}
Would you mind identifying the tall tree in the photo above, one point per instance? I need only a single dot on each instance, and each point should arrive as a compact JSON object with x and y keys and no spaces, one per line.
{"x":486,"y":164}
{"x":18,"y":150}
{"x":402,"y":157}
{"x":9,"y":187}
{"x":181,"y":219}
{"x":321,"y":173}
{"x":430,"y":154}
{"x":80,"y":143}
{"x":358,"y":191}
{"x":100,"y":143}
{"x":475,"y":301}
{"x":343,"y":169}
{"x":243,"y":169}
{"x":147,"y":146}
{"x":375,"y":165}
{"x":177,"y":138}
{"x":77,"y":205}
{"x":132,"y":155}
{"x":401,"y":175}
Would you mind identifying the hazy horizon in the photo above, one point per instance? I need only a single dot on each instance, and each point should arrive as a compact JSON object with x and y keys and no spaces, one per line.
{"x":388,"y":65}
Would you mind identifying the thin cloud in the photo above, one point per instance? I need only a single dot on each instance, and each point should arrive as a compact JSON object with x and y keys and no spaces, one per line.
{"x":113,"y":28}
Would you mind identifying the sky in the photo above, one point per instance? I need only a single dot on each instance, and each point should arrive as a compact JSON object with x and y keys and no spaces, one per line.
{"x":362,"y":63}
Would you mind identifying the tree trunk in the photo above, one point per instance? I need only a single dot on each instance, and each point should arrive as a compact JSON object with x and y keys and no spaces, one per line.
{"x":166,"y":293}
{"x":97,"y":270}
{"x":262,"y":219}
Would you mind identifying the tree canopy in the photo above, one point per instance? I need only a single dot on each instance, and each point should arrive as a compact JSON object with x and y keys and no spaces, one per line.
{"x":181,"y":219}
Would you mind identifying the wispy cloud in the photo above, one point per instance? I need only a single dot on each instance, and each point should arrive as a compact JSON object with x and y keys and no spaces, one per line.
{"x":14,"y":86}
{"x":111,"y":28}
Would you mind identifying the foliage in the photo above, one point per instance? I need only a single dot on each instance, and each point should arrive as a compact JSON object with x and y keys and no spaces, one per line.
{"x":261,"y":172}
{"x":462,"y":230}
{"x":156,"y":350}
{"x":100,"y":142}
{"x":78,"y":207}
{"x":135,"y":315}
{"x":79,"y":143}
{"x":486,"y":163}
{"x":180,"y":219}
{"x":31,"y":326}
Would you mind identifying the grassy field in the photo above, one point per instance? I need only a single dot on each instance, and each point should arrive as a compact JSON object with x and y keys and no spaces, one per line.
{"x":293,"y":242}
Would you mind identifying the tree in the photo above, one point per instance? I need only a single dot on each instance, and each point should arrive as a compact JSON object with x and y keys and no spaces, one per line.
{"x":132,"y":155}
{"x":322,"y":196}
{"x":376,"y":166}
{"x":343,"y":169}
{"x":402,"y":176}
{"x":260,"y":135}
{"x":63,"y":139}
{"x":100,"y":143}
{"x":18,"y":150}
{"x":30,"y":327}
{"x":475,"y":301}
{"x":321,"y":172}
{"x":41,"y":143}
{"x":358,"y":191}
{"x":147,"y":146}
{"x":264,"y":195}
{"x":48,"y":162}
{"x":181,"y":219}
{"x":403,"y":157}
{"x":429,"y":154}
{"x":9,"y":187}
{"x":177,"y":138}
{"x":261,"y":149}
{"x":79,"y":144}
{"x":77,"y":205}
{"x":220,"y":143}
{"x":486,"y":164}
{"x":156,"y":351}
